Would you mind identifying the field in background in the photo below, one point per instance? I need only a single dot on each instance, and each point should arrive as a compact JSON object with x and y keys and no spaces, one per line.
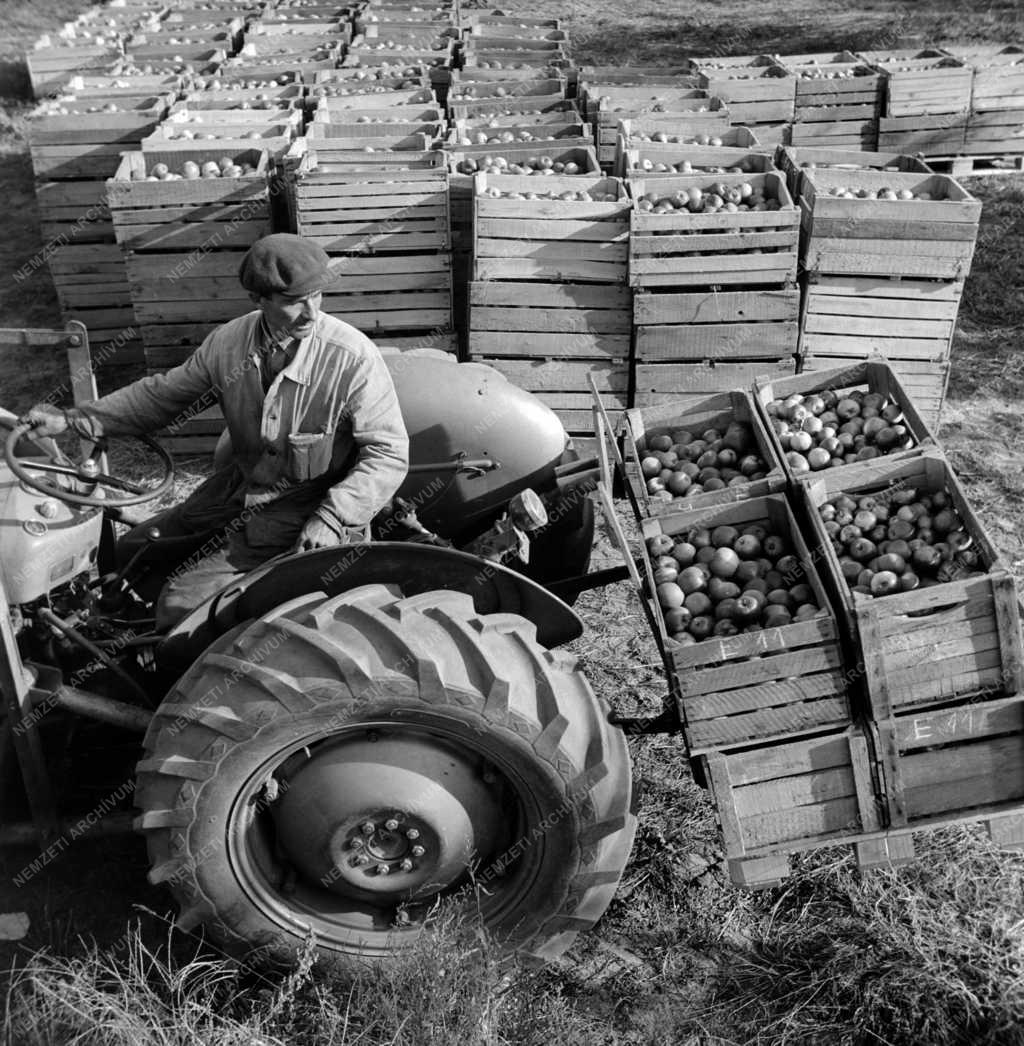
{"x":928,"y":954}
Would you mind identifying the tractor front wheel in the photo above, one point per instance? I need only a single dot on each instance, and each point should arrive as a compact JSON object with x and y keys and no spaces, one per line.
{"x":334,"y":769}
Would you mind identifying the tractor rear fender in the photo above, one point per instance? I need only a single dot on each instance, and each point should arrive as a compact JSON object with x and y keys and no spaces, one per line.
{"x":414,"y":568}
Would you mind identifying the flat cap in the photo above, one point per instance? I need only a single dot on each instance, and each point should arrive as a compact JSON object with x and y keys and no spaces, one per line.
{"x":283,"y":263}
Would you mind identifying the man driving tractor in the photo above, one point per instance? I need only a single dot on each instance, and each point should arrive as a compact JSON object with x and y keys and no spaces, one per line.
{"x":319,"y":445}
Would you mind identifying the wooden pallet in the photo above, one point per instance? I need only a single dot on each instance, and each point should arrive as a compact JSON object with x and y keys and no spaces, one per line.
{"x":870,"y":237}
{"x":753,"y":687}
{"x":926,"y":86}
{"x":366,"y":213}
{"x":871,"y":375}
{"x":550,"y":240}
{"x":956,"y":641}
{"x":979,"y":166}
{"x":681,"y":249}
{"x":684,"y":383}
{"x":641,"y":425}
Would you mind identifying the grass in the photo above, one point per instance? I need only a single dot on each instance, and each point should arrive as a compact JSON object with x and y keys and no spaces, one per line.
{"x":930,"y":954}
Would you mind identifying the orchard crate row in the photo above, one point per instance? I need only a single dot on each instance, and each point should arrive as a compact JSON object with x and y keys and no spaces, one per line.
{"x":873,"y":223}
{"x":795,"y":744}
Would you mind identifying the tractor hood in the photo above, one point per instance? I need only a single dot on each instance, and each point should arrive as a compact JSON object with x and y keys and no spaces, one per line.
{"x":470,"y":410}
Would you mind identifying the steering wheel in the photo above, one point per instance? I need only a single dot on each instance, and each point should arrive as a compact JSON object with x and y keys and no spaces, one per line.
{"x":86,"y":472}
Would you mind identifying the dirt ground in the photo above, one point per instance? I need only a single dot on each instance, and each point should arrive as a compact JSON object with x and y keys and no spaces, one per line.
{"x":675,"y":914}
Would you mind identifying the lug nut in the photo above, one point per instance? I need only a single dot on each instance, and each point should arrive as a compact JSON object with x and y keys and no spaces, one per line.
{"x":369,"y":828}
{"x":360,"y":859}
{"x":412,"y":833}
{"x":391,"y":824}
{"x":406,"y":865}
{"x":418,"y":851}
{"x":356,"y":843}
{"x":383,"y":869}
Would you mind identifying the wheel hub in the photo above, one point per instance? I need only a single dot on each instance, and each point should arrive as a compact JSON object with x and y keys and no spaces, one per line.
{"x":387,"y":818}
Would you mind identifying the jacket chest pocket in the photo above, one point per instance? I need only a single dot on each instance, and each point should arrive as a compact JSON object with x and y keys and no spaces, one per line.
{"x":309,"y":454}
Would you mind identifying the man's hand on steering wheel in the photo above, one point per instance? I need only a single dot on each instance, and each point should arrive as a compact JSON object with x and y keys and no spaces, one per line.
{"x":46,"y":420}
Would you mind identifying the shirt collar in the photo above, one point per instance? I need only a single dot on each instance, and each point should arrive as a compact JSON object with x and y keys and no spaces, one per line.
{"x":300,"y":367}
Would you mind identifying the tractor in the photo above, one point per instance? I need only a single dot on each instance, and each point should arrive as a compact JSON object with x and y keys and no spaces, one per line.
{"x":347,"y":736}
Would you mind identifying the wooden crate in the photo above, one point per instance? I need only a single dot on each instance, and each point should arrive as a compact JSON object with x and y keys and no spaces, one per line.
{"x":926,"y":86}
{"x":321,"y":139}
{"x":957,"y":640}
{"x":184,"y":216}
{"x":482,"y":74}
{"x":686,"y":110}
{"x":76,"y":139}
{"x":365,"y":88}
{"x":775,"y":800}
{"x":330,"y":109}
{"x":838,"y":104}
{"x":472,"y":90}
{"x":923,"y":135}
{"x":759,"y":90}
{"x":477,"y":139}
{"x":924,"y":381}
{"x":752,"y":687}
{"x":558,"y":322}
{"x":902,"y":319}
{"x":793,"y":161}
{"x":717,"y":411}
{"x":871,"y":237}
{"x":495,"y":115}
{"x":74,"y":211}
{"x":871,"y":375}
{"x":991,"y":133}
{"x":659,"y":161}
{"x":702,"y":326}
{"x":681,"y":249}
{"x":550,"y":240}
{"x":998,"y":81}
{"x":289,"y":96}
{"x":198,"y":118}
{"x":174,"y":134}
{"x":957,"y":762}
{"x":683,"y":383}
{"x":366,"y":213}
{"x":369,"y":54}
{"x":50,"y":67}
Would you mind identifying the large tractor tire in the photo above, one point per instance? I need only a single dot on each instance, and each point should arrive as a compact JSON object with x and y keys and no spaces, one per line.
{"x":334,"y":769}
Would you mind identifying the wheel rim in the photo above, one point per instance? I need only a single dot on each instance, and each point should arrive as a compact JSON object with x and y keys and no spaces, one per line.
{"x":314,"y":827}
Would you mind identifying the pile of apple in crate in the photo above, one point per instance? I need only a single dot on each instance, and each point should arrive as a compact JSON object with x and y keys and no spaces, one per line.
{"x":843,"y":644}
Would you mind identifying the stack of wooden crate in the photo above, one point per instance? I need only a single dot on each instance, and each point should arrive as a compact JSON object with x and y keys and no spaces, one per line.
{"x":610,"y":100}
{"x":927,"y":101}
{"x":76,"y":141}
{"x":838,"y":101}
{"x":549,"y":305}
{"x":759,"y":91}
{"x":715,"y":297}
{"x":995,"y":126}
{"x":884,"y":273}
